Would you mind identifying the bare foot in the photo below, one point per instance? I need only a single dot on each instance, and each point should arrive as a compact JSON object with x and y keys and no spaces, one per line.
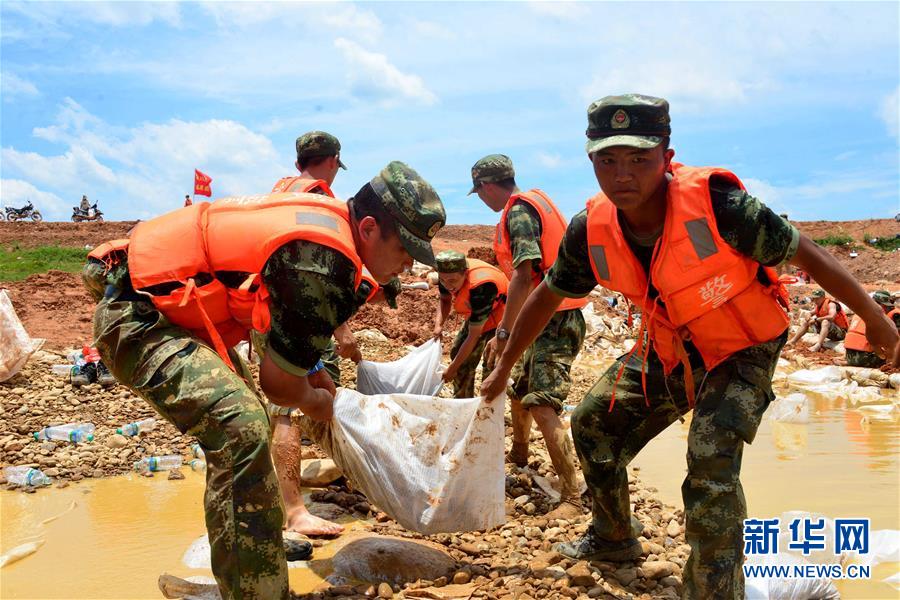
{"x":302,"y":521}
{"x":566,"y":510}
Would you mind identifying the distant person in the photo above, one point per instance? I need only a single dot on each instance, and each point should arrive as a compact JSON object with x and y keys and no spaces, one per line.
{"x":476,"y":291}
{"x":187,"y":200}
{"x":318,"y":160}
{"x":859,"y":351}
{"x":828,"y":320}
{"x":85,"y":205}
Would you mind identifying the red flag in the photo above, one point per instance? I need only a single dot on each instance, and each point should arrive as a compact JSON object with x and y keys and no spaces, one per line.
{"x":201,"y":184}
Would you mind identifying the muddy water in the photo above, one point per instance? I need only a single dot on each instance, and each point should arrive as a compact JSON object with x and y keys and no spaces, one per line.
{"x":122,"y":534}
{"x":838,"y":464}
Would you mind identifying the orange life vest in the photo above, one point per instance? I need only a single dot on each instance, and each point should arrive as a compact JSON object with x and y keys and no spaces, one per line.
{"x":840,"y":318}
{"x":856,"y":334}
{"x":478,"y":274}
{"x":190,"y":246}
{"x":553,"y":227}
{"x":709,"y":293}
{"x":299,"y":183}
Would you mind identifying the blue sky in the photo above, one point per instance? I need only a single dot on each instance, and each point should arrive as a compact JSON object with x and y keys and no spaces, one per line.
{"x":121,"y":101}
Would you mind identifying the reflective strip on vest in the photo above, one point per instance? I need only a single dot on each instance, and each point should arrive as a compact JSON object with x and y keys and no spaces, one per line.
{"x":701,"y":238}
{"x":598,"y":254}
{"x":318,"y":219}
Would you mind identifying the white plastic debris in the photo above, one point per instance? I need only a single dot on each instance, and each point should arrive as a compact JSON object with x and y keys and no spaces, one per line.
{"x":791,"y":409}
{"x":419,"y":372}
{"x":830,"y":374}
{"x":15,"y":343}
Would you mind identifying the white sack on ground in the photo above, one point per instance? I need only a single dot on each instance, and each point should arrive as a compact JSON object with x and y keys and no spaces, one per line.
{"x":15,"y":343}
{"x":432,"y":464}
{"x":416,"y":373}
{"x":830,"y":374}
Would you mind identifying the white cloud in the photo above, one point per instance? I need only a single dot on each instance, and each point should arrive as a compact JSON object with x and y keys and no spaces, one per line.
{"x":551,"y":161}
{"x":560,"y":9}
{"x":890,"y":112}
{"x":372,"y":75}
{"x":826,"y":196}
{"x":432,"y":30}
{"x":337,"y":17}
{"x":148,"y":167}
{"x":17,"y":193}
{"x":12,"y":86}
{"x":116,"y":14}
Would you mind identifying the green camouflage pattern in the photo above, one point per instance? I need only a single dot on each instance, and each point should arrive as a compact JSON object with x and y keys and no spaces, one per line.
{"x":464,"y":382}
{"x":542,"y":377}
{"x":818,"y":294}
{"x":860,"y":358}
{"x":414,"y":204}
{"x":883,"y":297}
{"x":835,"y":332}
{"x":392,"y":290}
{"x":312,"y":293}
{"x":731,"y":400}
{"x":491,"y":169}
{"x":629,"y":120}
{"x":745,"y":223}
{"x":330,"y":360}
{"x":450,"y":261}
{"x":318,"y":143}
{"x":524,"y":228}
{"x":187,"y":383}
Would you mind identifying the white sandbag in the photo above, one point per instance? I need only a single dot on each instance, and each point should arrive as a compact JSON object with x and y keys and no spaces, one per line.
{"x":419,"y":372}
{"x":830,"y":374}
{"x":791,"y":409}
{"x":432,"y":464}
{"x":592,"y":321}
{"x":15,"y":343}
{"x":794,"y":588}
{"x":865,"y":376}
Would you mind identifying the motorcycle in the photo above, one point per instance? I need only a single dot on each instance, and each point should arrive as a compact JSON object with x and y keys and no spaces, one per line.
{"x":26,"y":212}
{"x":91,"y":214}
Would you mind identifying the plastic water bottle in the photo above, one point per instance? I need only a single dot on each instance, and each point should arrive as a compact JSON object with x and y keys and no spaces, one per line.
{"x":197,"y":451}
{"x":25,"y":476}
{"x":72,"y":432}
{"x":198,"y":465}
{"x":138,"y":427}
{"x":158,"y":463}
{"x":62,"y":370}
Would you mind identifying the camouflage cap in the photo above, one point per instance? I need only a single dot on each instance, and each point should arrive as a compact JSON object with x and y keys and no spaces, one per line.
{"x":491,"y":169}
{"x":451,"y":261}
{"x":414,"y":204}
{"x":883,"y":297}
{"x":818,"y":294}
{"x":628,"y":120}
{"x":319,"y":143}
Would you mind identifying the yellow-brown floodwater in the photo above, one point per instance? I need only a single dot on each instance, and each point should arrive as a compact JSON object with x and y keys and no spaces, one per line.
{"x":122,"y":534}
{"x":836,"y":465}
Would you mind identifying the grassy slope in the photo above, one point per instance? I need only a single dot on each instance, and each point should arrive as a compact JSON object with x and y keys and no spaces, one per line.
{"x":18,"y":264}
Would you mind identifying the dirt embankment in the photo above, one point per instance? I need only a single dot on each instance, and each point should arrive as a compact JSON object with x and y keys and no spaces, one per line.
{"x":25,"y":234}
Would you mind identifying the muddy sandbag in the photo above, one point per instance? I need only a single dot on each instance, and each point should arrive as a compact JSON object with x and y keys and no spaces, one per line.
{"x":16,"y":346}
{"x":830,"y":374}
{"x":419,"y":372}
{"x":434,"y":465}
{"x":865,"y":376}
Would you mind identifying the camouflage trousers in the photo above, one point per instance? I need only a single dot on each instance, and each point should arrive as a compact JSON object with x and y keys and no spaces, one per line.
{"x":464,"y":382}
{"x":731,"y":400}
{"x":192,"y":387}
{"x":542,"y":376}
{"x":859,"y":358}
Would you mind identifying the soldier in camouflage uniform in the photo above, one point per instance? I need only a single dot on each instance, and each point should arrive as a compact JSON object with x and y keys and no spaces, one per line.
{"x":470,"y":340}
{"x":541,"y":380}
{"x":633,"y":171}
{"x":826,"y":327}
{"x":312,"y":291}
{"x":862,"y":357}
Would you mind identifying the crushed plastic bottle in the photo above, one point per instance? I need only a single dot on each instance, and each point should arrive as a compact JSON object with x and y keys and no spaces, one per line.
{"x":25,"y":476}
{"x":71,"y":432}
{"x":133,"y":429}
{"x":198,"y":465}
{"x":62,"y":370}
{"x":158,"y":463}
{"x":197,"y":451}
